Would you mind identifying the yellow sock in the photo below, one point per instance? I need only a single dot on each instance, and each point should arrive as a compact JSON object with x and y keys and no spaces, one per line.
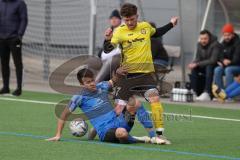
{"x":157,"y":116}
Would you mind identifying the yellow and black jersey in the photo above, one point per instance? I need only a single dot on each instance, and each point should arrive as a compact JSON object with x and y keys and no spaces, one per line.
{"x":136,"y":47}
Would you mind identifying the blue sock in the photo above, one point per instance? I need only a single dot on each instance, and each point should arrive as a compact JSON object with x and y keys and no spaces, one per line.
{"x":144,"y":117}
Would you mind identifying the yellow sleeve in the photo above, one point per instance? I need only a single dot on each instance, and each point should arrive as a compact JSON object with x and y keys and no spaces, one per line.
{"x":152,"y":29}
{"x":116,"y":37}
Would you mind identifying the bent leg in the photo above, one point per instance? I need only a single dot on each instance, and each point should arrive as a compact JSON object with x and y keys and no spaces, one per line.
{"x":218,"y":76}
{"x":229,"y":72}
{"x":233,"y":90}
{"x":209,"y":79}
{"x":124,"y":137}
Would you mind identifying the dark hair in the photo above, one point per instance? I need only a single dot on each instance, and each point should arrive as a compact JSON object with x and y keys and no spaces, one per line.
{"x":84,"y":73}
{"x":128,"y":10}
{"x":205,"y":32}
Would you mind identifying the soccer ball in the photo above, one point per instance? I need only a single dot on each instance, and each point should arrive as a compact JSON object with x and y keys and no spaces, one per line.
{"x":78,"y":127}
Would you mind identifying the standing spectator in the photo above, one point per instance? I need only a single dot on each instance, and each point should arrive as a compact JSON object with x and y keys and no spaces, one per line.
{"x":229,"y":63}
{"x":208,"y":50}
{"x":13,"y":23}
{"x":110,"y":60}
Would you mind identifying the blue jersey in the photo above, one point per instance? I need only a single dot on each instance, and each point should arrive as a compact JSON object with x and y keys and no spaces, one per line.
{"x":97,"y":107}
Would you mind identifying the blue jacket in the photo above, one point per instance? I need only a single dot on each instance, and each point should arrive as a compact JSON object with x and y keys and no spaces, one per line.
{"x":13,"y":18}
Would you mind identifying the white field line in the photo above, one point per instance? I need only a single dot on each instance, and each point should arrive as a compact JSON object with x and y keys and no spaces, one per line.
{"x":203,"y":117}
{"x":174,"y":114}
{"x":27,"y":101}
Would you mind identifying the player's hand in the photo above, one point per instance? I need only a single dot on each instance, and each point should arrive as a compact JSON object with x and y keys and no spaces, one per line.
{"x":108,"y":34}
{"x":174,"y":21}
{"x":56,"y":138}
{"x":122,"y":71}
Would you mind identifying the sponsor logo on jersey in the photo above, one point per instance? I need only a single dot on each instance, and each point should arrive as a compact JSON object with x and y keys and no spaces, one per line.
{"x":143,"y":31}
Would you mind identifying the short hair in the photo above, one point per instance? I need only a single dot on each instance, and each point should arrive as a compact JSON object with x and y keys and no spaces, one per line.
{"x":82,"y":73}
{"x":205,"y":32}
{"x":128,"y":10}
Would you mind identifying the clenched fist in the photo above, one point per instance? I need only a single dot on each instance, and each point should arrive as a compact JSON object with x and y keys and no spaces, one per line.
{"x":108,"y":34}
{"x":174,"y":21}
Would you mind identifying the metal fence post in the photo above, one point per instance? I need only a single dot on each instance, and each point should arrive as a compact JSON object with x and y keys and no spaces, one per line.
{"x":92,"y":33}
{"x":47,"y":39}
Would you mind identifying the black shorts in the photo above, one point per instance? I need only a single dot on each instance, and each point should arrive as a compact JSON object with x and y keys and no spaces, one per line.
{"x":110,"y":136}
{"x":134,"y":84}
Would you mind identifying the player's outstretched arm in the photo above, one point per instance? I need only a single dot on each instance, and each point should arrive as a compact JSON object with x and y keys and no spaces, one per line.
{"x":60,"y":125}
{"x":164,"y":29}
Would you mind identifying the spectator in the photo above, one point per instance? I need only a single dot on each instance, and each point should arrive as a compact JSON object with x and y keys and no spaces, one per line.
{"x":229,"y":63}
{"x":13,"y":23}
{"x":202,"y":67}
{"x":110,"y":60}
{"x":233,"y":90}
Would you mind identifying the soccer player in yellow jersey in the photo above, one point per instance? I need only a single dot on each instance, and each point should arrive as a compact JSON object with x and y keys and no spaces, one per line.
{"x":134,"y":39}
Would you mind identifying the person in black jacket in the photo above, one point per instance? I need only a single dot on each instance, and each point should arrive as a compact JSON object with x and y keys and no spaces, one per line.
{"x":202,"y":67}
{"x":229,"y":62}
{"x":13,"y":23}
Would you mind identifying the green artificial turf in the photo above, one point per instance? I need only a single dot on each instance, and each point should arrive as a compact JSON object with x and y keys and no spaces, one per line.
{"x":25,"y":125}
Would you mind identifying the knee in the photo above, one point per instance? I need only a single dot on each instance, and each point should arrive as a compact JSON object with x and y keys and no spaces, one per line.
{"x":152,"y":95}
{"x":18,"y":64}
{"x":132,"y":109}
{"x":121,"y":133}
{"x":134,"y":102}
{"x":218,"y":70}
